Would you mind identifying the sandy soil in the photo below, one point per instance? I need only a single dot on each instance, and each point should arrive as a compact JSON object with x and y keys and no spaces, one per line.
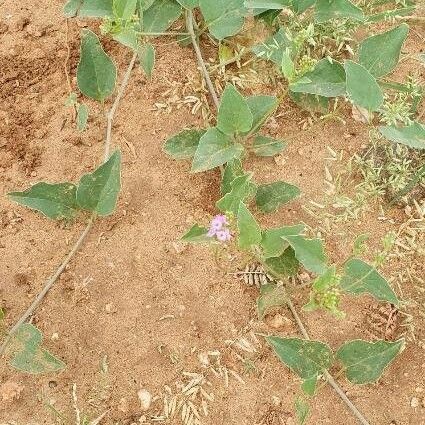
{"x":134,"y":298}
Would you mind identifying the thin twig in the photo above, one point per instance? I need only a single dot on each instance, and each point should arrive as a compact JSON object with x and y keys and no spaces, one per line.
{"x":51,"y":281}
{"x":213,"y":92}
{"x":114,"y":107}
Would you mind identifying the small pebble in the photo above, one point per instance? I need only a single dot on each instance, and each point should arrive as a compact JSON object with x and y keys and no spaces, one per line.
{"x":414,"y":402}
{"x":145,"y":398}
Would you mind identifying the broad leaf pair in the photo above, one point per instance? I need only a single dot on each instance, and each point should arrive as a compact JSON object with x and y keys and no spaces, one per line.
{"x":96,"y":192}
{"x":363,"y":362}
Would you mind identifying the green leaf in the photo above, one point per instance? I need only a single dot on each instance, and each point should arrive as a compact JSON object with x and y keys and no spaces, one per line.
{"x":271,"y":196}
{"x":267,"y":146}
{"x":98,"y":191}
{"x":55,"y":201}
{"x":309,"y":252}
{"x":184,"y":144}
{"x":274,"y":47}
{"x":361,"y":278}
{"x":241,"y":190}
{"x":288,"y":66}
{"x":223,"y":17}
{"x":268,"y":16}
{"x":144,"y":5}
{"x":27,"y":356}
{"x":234,"y":115}
{"x":96,"y":73}
{"x":284,"y":266}
{"x":71,"y":8}
{"x":362,"y":88}
{"x":128,"y":38}
{"x":337,"y":9}
{"x":271,"y":296}
{"x":160,"y":16}
{"x":197,"y":234}
{"x":146,"y":54}
{"x":309,"y":386}
{"x":96,"y":9}
{"x":300,"y":6}
{"x":233,"y":169}
{"x":82,"y":116}
{"x":249,"y":230}
{"x":365,"y":361}
{"x":308,"y":359}
{"x":412,"y":135}
{"x":267,"y":4}
{"x":124,"y":9}
{"x":380,"y":53}
{"x":310,"y":102}
{"x":326,"y":79}
{"x":215,"y":149}
{"x":272,"y":242}
{"x":302,"y":410}
{"x":261,"y":108}
{"x":189,"y":4}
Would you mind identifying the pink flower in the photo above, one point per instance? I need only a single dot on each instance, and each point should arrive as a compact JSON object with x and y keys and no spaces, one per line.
{"x":223,"y":235}
{"x":218,"y":228}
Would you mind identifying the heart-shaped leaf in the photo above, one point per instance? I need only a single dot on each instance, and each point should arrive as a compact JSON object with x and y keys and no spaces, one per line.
{"x":249,"y":230}
{"x":98,"y":191}
{"x":364,"y":362}
{"x":362,"y":88}
{"x":380,"y":53}
{"x":412,"y":135}
{"x":55,"y":201}
{"x":96,"y":73}
{"x":308,"y":359}
{"x":271,"y":196}
{"x":159,"y":17}
{"x":309,"y":252}
{"x":361,"y":278}
{"x":184,"y":144}
{"x":224,"y":18}
{"x":234,"y":115}
{"x":326,"y":79}
{"x":28,"y":356}
{"x":215,"y":148}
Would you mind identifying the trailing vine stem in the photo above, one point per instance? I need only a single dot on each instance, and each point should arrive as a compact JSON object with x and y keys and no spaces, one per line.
{"x":329,"y":378}
{"x":207,"y":78}
{"x":76,"y":247}
{"x":356,"y":412}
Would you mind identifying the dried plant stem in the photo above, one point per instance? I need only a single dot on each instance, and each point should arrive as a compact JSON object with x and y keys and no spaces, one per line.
{"x":206,"y":75}
{"x":51,"y":281}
